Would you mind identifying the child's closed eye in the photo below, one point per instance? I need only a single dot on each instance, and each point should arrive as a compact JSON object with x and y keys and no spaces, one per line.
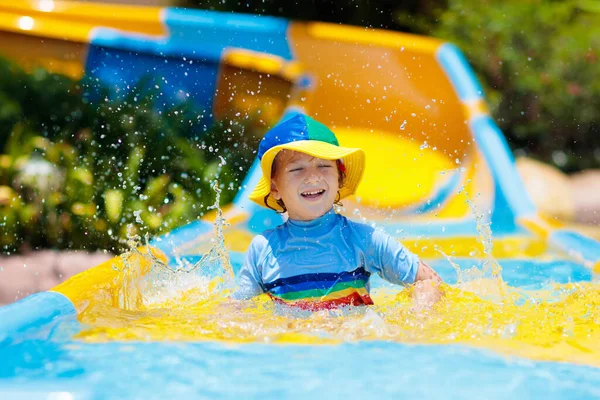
{"x":295,"y":169}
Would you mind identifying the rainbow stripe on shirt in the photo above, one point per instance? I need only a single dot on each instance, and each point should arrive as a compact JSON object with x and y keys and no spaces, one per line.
{"x":321,"y":291}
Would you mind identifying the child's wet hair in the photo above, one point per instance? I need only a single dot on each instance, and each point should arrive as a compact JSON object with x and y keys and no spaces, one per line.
{"x":341,"y":178}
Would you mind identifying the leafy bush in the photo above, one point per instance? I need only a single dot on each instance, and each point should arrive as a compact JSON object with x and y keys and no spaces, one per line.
{"x":77,"y":175}
{"x":539,"y":63}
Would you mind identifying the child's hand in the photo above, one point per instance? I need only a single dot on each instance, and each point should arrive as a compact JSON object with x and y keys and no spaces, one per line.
{"x":426,"y":291}
{"x":425,"y":294}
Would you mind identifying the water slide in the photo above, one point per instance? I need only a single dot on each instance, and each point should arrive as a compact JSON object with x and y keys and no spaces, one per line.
{"x":438,"y":167}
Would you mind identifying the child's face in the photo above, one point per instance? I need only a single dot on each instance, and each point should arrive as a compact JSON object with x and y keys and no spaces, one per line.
{"x":307,"y":185}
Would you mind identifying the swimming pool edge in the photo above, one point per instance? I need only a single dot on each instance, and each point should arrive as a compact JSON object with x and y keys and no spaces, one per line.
{"x":34,"y":313}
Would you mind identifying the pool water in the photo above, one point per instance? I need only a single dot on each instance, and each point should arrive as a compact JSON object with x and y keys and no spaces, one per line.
{"x":533,"y":333}
{"x":365,"y":369}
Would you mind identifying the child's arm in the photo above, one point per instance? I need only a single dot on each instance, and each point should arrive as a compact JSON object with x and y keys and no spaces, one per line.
{"x":425,"y":273}
{"x":249,"y":282}
{"x":396,"y":264}
{"x":247,"y":286}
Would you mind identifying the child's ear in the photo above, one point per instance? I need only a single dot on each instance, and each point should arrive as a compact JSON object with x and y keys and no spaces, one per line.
{"x":274,"y":191}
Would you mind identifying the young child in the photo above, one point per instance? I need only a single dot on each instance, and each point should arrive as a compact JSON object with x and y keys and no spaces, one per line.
{"x":319,"y":259}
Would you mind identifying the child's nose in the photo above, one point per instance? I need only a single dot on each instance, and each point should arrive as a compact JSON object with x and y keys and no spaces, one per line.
{"x":313,"y":177}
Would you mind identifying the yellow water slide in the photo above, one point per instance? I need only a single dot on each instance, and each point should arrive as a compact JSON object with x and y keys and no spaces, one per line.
{"x":387,"y":93}
{"x":382,"y":91}
{"x":56,"y":34}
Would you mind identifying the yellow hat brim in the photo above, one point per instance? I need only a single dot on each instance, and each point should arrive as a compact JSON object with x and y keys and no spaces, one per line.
{"x":353,"y":159}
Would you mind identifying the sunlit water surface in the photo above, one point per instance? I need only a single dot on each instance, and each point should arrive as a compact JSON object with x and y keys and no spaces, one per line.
{"x":183,"y":337}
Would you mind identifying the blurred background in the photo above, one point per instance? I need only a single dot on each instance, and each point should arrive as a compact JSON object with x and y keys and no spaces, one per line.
{"x":67,"y":191}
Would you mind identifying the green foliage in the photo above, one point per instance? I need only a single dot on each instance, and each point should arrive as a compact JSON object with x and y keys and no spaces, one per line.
{"x":48,"y":103}
{"x":79,"y":175}
{"x":538,"y":61}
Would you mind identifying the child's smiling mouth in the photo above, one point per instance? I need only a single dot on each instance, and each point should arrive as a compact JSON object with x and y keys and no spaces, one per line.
{"x":313,"y":194}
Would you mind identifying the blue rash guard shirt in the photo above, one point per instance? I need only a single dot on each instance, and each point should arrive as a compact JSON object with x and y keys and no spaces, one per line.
{"x":323,"y":263}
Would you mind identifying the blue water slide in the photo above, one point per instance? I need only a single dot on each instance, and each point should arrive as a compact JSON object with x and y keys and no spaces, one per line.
{"x":182,"y":65}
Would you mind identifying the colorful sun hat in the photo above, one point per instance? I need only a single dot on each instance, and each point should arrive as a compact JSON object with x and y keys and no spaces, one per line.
{"x":302,"y":133}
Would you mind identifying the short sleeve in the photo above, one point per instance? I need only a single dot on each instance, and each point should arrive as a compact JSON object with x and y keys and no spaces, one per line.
{"x":391,"y":260}
{"x":249,"y":281}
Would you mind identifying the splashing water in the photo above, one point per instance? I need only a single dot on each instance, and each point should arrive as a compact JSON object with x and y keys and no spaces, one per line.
{"x":146,"y":279}
{"x":189,"y":302}
{"x":559,"y":324}
{"x":485,"y":281}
